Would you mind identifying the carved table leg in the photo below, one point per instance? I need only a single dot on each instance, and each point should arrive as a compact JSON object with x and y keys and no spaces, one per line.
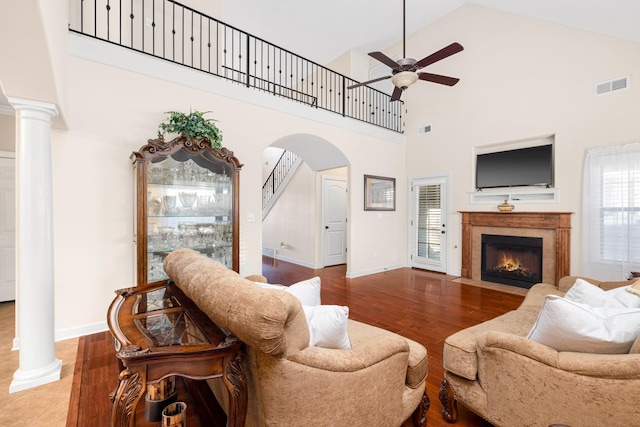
{"x":449,"y":403}
{"x":130,"y":389}
{"x":419,"y":416}
{"x":236,"y":384}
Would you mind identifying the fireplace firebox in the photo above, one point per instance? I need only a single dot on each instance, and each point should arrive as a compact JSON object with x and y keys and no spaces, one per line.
{"x":511,"y":260}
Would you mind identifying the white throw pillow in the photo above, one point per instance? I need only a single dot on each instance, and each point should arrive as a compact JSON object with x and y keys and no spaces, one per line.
{"x":307,"y":291}
{"x":567,"y":325}
{"x":328,"y":326}
{"x":585,"y":293}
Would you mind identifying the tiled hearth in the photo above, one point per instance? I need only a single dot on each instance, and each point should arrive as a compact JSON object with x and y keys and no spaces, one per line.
{"x":553,"y":227}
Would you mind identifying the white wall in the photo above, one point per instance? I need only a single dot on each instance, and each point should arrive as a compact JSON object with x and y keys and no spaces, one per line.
{"x":7,"y":133}
{"x":293,"y":220}
{"x":520,"y":78}
{"x":111,"y":113}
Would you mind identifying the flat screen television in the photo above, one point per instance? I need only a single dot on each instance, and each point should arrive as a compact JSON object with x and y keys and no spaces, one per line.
{"x":515,"y":168}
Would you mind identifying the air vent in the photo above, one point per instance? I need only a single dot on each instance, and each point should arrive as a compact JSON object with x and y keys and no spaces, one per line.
{"x":611,"y":86}
{"x":424,"y":129}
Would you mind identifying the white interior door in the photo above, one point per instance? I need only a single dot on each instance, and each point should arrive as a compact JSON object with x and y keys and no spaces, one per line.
{"x":334,"y":214}
{"x":428,"y":227}
{"x":7,"y":230}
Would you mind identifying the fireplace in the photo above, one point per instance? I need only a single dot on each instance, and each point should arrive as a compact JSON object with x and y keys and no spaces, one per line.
{"x":511,"y":260}
{"x":553,"y":227}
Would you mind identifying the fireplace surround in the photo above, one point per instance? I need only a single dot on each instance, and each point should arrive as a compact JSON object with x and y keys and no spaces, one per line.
{"x":554,"y":228}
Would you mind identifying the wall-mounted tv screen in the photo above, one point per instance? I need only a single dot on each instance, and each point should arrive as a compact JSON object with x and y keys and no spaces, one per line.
{"x":515,"y":168}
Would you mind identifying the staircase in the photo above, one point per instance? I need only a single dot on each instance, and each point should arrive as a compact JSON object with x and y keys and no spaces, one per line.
{"x":278,"y":179}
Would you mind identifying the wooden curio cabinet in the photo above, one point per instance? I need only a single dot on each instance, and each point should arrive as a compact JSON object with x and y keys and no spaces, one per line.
{"x":187,"y":196}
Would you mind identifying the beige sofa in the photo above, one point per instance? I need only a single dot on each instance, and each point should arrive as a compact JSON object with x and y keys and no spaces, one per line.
{"x":495,"y":371}
{"x":380,"y":381}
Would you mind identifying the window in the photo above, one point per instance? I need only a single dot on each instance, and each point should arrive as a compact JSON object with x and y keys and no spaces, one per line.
{"x":611,"y":221}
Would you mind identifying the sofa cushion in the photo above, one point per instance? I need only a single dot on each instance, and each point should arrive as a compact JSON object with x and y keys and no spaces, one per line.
{"x":459,"y":353}
{"x":418,"y":365}
{"x":328,"y":326}
{"x":566,"y":325}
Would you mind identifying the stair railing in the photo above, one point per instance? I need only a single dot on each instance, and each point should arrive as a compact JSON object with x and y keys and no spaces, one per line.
{"x":277,"y":176}
{"x":179,"y":34}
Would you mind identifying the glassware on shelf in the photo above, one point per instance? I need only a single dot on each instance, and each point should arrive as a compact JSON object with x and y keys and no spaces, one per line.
{"x":154,"y":204}
{"x":169,"y":205}
{"x":206,"y":204}
{"x":167,"y":240}
{"x":155,"y":268}
{"x":187,"y":199}
{"x":206,"y":234}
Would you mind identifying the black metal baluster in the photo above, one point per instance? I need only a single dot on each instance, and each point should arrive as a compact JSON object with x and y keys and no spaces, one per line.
{"x":173,"y":32}
{"x":164,"y":29}
{"x":191,"y":38}
{"x":108,"y":8}
{"x":120,"y":23}
{"x":182,"y":36}
{"x":274,"y":69}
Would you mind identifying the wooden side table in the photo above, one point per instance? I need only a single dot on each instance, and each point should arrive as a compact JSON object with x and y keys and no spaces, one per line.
{"x":159,"y":332}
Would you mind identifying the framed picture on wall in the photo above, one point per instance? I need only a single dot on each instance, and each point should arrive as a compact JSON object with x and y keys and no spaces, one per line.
{"x":379,"y":193}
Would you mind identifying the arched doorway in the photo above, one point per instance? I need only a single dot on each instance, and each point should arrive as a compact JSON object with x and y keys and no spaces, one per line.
{"x":301,"y":225}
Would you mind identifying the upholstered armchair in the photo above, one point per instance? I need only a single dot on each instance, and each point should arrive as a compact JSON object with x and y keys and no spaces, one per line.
{"x":378,"y":381}
{"x":496,"y":371}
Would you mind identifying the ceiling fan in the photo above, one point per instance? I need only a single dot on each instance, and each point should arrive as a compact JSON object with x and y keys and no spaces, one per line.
{"x":404,"y":72}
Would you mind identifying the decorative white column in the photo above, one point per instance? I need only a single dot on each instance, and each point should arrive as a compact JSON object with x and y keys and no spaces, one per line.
{"x":34,"y":246}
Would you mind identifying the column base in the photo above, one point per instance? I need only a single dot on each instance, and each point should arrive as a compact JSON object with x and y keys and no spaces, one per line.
{"x":23,"y":380}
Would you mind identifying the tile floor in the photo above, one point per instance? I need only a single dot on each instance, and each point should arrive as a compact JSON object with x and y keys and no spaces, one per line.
{"x":46,"y":405}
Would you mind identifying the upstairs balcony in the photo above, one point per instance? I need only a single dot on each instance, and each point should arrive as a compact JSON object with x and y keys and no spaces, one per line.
{"x":176,"y":33}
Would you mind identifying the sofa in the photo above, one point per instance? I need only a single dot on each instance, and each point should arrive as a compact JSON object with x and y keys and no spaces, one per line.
{"x":378,"y":381}
{"x":506,"y":373}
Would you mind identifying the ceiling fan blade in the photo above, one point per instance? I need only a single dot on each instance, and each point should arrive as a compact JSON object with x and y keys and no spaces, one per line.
{"x":368,"y":82}
{"x":384,"y":59}
{"x":439,"y":55}
{"x":437,"y":78}
{"x":397,"y":92}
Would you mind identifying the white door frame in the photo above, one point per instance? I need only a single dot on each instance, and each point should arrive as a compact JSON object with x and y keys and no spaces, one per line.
{"x":446,"y":202}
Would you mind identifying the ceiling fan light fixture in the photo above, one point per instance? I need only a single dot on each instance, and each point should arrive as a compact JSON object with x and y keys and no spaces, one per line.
{"x":404,"y":79}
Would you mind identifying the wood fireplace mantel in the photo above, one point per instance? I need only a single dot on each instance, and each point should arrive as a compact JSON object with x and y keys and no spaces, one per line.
{"x":559,"y":223}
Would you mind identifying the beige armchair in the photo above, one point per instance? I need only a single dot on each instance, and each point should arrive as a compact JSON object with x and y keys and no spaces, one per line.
{"x":495,"y":371}
{"x":380,"y":381}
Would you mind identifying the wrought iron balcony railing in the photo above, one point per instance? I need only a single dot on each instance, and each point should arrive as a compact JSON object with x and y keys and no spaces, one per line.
{"x":174,"y":32}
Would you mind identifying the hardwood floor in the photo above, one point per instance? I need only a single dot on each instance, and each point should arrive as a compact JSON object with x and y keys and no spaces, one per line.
{"x":424,"y":306}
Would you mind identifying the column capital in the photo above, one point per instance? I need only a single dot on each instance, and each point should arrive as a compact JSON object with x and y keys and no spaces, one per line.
{"x":21,"y":104}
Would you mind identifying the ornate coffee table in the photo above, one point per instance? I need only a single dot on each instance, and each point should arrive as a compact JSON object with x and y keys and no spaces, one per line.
{"x":159,"y":332}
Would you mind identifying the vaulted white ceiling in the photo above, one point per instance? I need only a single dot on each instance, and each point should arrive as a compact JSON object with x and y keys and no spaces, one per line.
{"x":323,"y":30}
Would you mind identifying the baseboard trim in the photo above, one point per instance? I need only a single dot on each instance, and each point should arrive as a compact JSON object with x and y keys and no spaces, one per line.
{"x":298,"y":262}
{"x":78,"y":331}
{"x":353,"y":275}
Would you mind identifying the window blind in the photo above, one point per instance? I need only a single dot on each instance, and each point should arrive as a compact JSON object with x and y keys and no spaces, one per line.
{"x":611,"y":234}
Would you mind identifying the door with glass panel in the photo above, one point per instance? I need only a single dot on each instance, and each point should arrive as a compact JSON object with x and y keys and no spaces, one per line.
{"x":428,"y":228}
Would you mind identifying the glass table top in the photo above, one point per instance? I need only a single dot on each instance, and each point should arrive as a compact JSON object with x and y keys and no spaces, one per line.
{"x":155,"y":300}
{"x":171,"y":329}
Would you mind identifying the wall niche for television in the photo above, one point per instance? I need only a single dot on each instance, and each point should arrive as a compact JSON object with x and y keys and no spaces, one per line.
{"x":520,"y":171}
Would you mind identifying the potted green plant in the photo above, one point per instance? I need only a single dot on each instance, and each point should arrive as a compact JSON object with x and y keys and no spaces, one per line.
{"x":192,"y":126}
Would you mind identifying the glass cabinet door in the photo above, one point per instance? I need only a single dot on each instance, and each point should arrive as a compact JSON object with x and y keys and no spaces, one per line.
{"x":187,"y":197}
